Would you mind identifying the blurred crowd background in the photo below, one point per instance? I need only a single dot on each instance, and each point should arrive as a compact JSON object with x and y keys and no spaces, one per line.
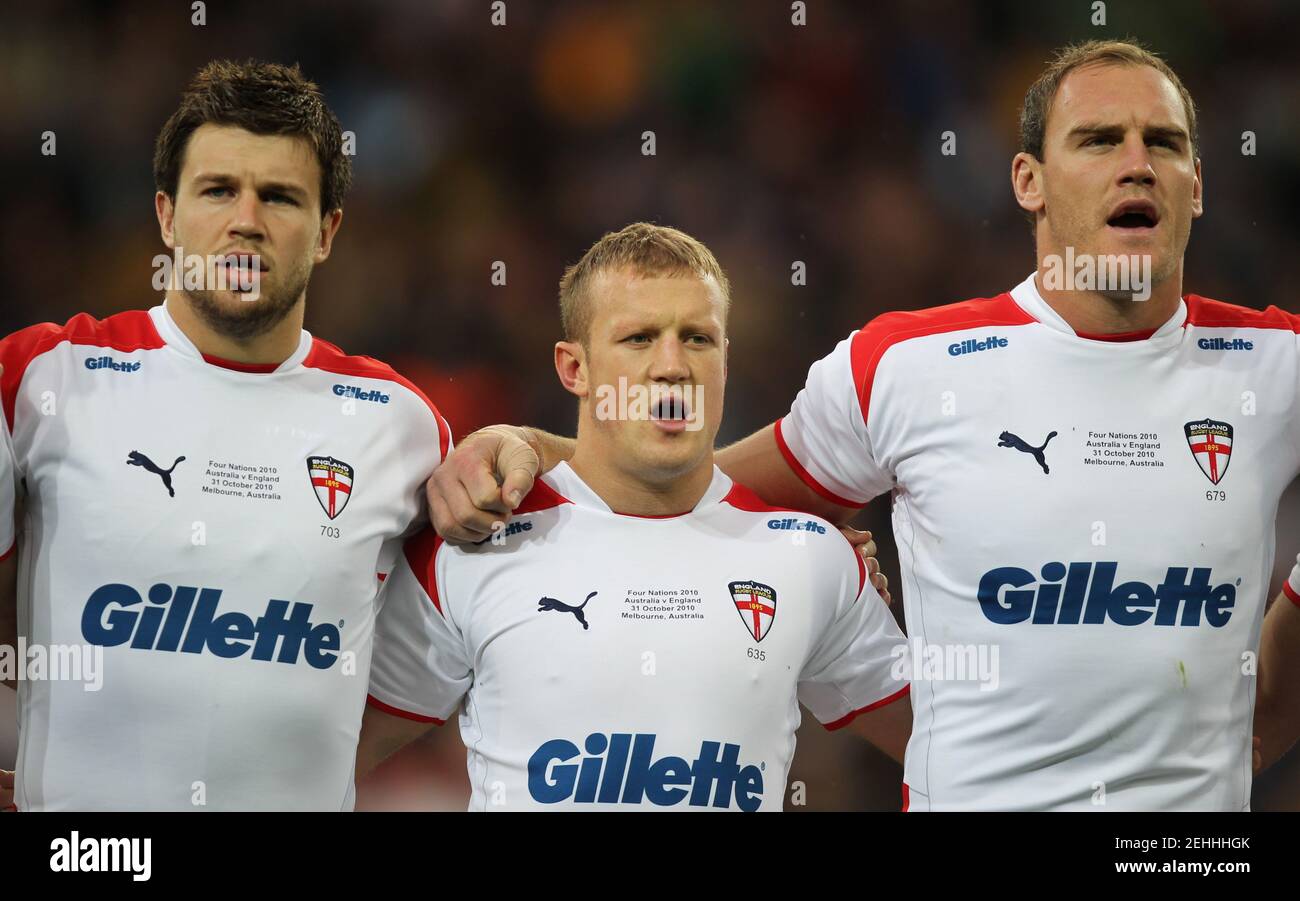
{"x":775,"y":143}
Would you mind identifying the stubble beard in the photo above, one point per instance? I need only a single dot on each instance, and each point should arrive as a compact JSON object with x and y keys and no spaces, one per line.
{"x":252,"y":318}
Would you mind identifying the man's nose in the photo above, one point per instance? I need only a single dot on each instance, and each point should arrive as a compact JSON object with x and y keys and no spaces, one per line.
{"x":1135,"y":166}
{"x":670,"y":363}
{"x":246,"y":221}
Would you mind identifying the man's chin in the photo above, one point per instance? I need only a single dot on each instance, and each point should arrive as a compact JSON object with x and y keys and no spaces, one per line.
{"x":671,"y":457}
{"x":235,"y":301}
{"x":240,"y":315}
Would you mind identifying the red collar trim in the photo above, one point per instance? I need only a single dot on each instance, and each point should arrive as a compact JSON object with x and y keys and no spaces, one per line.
{"x":653,"y":515}
{"x":260,"y":368}
{"x":1120,"y":336}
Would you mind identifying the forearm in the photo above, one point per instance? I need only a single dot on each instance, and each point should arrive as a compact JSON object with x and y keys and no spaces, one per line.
{"x":551,"y":449}
{"x":382,"y":736}
{"x":888,"y":727}
{"x":757,"y":463}
{"x":1277,"y":696}
{"x":748,"y":457}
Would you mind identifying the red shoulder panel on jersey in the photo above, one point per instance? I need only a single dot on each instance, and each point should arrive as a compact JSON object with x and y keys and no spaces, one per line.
{"x":1286,"y":590}
{"x":1216,"y":314}
{"x":743,"y":498}
{"x":421,"y":550}
{"x":542,"y":497}
{"x":883,"y":332}
{"x":850,"y":717}
{"x":404,"y":714}
{"x":7,"y":554}
{"x":124,"y":332}
{"x":330,"y":358}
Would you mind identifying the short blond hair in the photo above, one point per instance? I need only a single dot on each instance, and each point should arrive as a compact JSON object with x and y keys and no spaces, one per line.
{"x":646,"y":249}
{"x":1039,"y":97}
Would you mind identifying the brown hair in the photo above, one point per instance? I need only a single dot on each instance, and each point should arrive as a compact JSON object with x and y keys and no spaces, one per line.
{"x":1039,"y":97}
{"x":266,"y":99}
{"x":646,"y":249}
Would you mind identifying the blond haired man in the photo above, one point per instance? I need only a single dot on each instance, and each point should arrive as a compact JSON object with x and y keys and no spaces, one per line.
{"x":642,"y":634}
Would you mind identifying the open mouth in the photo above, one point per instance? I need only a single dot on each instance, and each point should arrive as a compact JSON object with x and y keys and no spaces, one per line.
{"x":670,"y":408}
{"x":670,"y":411}
{"x":1134,"y":215}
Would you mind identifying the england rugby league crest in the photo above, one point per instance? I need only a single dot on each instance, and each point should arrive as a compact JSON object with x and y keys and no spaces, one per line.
{"x":1211,"y":444}
{"x":332,"y":480}
{"x":756,"y":604}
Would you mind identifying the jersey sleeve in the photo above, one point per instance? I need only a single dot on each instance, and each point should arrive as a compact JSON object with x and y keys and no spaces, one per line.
{"x":1291,"y":587}
{"x":16,"y":353}
{"x":824,"y":437}
{"x":424,"y":450}
{"x":8,"y":490}
{"x":1295,"y":409}
{"x":421,"y":666}
{"x":862,"y":660}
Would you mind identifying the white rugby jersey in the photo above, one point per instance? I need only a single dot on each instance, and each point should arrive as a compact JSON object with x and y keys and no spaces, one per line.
{"x":1098,"y":514}
{"x":606,"y":661}
{"x":215,"y":530}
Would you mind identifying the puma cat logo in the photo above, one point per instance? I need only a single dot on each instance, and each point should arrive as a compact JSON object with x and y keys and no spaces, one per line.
{"x":135,"y":458}
{"x":553,"y":604}
{"x":1010,"y":439}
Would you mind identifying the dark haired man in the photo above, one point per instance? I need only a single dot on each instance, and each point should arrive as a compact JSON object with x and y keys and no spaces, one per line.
{"x":210,"y":492}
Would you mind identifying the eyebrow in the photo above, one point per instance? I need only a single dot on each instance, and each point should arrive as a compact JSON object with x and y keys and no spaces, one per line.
{"x":283,"y":187}
{"x":631,"y":326}
{"x":1099,"y":129}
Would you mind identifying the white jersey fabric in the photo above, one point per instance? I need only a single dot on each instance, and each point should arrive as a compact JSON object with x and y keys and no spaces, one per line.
{"x":604,"y":661}
{"x":216,"y":535}
{"x":1098,"y":514}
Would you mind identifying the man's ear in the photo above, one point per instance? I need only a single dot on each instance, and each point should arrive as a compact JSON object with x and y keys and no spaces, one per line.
{"x":1198,"y":204}
{"x":165,"y":208}
{"x":1027,"y":182}
{"x":329,"y":227}
{"x":571,"y":367}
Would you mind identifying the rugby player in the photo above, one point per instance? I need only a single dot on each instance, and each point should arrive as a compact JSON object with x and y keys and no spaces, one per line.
{"x":643,"y":633}
{"x":210,"y":492}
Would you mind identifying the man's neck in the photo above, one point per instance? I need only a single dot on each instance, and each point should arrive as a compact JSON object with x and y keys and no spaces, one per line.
{"x":272,"y":347}
{"x":1092,"y":313}
{"x":631,"y":495}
